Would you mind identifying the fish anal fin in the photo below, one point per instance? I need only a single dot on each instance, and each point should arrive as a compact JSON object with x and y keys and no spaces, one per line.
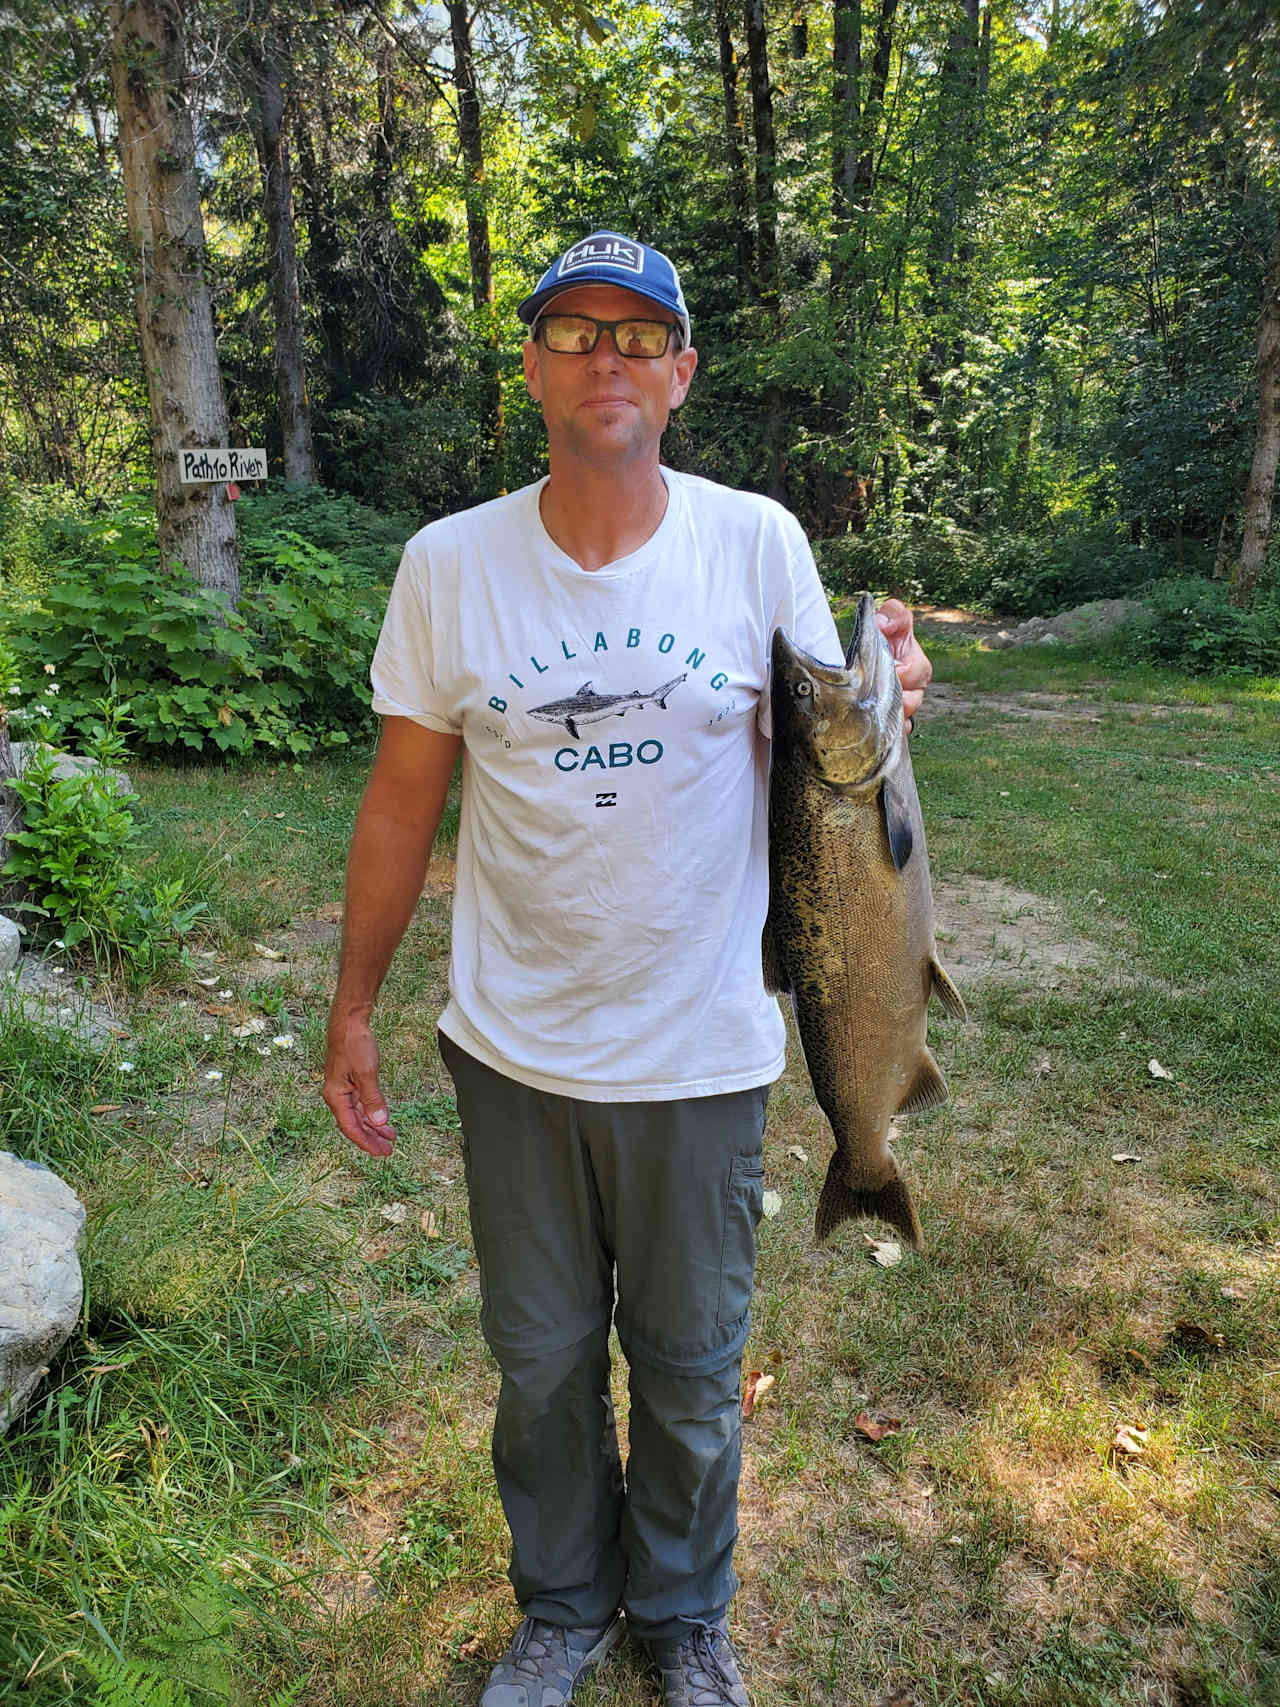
{"x":946,"y":992}
{"x":777,"y":980}
{"x":890,"y":1202}
{"x":928,"y":1089}
{"x":897,"y":823}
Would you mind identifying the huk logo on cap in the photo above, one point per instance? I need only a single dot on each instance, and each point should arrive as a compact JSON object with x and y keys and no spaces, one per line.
{"x":603,"y":252}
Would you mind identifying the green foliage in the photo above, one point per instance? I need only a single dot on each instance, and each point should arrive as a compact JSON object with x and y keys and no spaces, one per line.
{"x":287,"y":671}
{"x":73,"y":858}
{"x":1191,"y":622}
{"x":35,"y":524}
{"x":364,"y":541}
{"x":1010,"y":574}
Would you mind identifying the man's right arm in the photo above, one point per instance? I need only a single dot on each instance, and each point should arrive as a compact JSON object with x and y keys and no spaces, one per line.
{"x":390,"y":846}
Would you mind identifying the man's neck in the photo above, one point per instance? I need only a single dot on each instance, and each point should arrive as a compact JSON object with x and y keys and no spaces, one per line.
{"x":598,"y":516}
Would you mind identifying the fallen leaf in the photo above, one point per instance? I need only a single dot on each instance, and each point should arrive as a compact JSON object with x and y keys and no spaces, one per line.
{"x":758,"y":1384}
{"x":1125,"y":1156}
{"x":250,"y":1028}
{"x":775,"y":1356}
{"x":268,"y":953}
{"x":427,"y":1221}
{"x":219,"y":1010}
{"x":1194,"y":1334}
{"x":1043,"y":1067}
{"x":1157,"y":1071}
{"x":886,"y":1252}
{"x":396,"y":1213}
{"x":106,"y":1107}
{"x":1129,"y":1440}
{"x":224,"y":711}
{"x":469,"y":1648}
{"x":877,"y":1427}
{"x":772,"y":1203}
{"x":207,"y":982}
{"x":899,"y":1698}
{"x":373,"y":1250}
{"x":797,"y":1153}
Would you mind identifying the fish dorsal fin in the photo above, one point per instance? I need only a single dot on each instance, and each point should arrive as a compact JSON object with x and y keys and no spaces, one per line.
{"x":897,"y":823}
{"x":585,"y":688}
{"x":928,"y":1090}
{"x":946,"y":992}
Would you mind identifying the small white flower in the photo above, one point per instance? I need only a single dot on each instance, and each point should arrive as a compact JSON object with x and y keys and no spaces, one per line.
{"x":59,"y":943}
{"x":205,"y":1036}
{"x":53,"y":687}
{"x":263,"y":1049}
{"x":213,"y":1075}
{"x":45,"y":710}
{"x":126,"y":1067}
{"x":51,"y":669}
{"x":224,"y":995}
{"x":284,"y":1040}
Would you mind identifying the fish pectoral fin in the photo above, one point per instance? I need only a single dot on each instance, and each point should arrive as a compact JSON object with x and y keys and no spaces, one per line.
{"x":946,"y":992}
{"x":572,"y":727}
{"x":928,"y":1089}
{"x":890,"y":1202}
{"x":776,"y":978}
{"x":897,"y":823}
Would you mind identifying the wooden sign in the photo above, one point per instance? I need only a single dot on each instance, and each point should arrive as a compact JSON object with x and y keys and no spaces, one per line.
{"x":200,"y":467}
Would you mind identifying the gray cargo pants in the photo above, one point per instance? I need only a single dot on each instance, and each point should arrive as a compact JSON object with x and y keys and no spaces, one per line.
{"x":569,"y":1200}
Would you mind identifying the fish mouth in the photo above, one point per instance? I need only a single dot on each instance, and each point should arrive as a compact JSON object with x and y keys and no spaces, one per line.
{"x":848,"y":717}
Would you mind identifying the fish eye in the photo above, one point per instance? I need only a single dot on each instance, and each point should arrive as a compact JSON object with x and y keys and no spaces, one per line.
{"x":804,"y":689}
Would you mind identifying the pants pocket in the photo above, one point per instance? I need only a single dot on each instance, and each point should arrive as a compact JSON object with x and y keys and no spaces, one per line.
{"x":744,"y":1205}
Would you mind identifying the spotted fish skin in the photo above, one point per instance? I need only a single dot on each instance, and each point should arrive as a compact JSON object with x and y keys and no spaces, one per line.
{"x":850,"y":928}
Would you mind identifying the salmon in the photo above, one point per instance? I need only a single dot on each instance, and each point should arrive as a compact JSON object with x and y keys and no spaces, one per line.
{"x":850,"y":933}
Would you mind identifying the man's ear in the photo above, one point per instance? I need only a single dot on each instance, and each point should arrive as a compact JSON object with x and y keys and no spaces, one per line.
{"x":532,"y":378}
{"x":682,"y":378}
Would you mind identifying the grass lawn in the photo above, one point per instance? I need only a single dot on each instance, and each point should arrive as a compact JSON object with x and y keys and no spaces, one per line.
{"x":262,"y":1469}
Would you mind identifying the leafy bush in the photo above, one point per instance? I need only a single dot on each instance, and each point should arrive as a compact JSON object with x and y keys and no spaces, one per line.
{"x":37,"y":527}
{"x":288,"y":670}
{"x":365,"y":542}
{"x":72,"y":857}
{"x":1190,"y":622}
{"x":1009,"y":574}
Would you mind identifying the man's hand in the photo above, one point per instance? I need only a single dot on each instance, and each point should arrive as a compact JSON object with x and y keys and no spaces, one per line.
{"x":914,"y":669}
{"x":351,"y":1086}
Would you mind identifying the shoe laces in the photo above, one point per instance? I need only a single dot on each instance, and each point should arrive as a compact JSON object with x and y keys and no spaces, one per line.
{"x":705,"y":1657}
{"x":533,"y":1633}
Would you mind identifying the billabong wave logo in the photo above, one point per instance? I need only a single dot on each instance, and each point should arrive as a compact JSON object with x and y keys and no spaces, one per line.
{"x":586,"y":706}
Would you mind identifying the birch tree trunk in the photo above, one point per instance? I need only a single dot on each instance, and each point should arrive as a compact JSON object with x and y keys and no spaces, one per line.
{"x":269,"y":64}
{"x":197,"y":527}
{"x":11,"y":818}
{"x":1255,"y":512}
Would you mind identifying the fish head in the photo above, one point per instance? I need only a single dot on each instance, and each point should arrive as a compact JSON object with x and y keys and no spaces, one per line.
{"x":847,"y":719}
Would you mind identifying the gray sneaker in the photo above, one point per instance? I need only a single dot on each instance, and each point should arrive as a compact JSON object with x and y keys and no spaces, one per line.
{"x":544,"y":1662}
{"x":700,"y":1669}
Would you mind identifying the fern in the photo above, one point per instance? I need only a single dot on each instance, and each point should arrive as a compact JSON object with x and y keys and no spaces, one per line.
{"x":122,"y":1683}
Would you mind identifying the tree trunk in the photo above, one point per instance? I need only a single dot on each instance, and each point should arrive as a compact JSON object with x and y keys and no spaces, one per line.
{"x":197,"y":527}
{"x":766,"y":154}
{"x":739,"y":189}
{"x":1255,"y":512}
{"x":269,"y":63}
{"x":846,"y":132}
{"x":472,"y":140}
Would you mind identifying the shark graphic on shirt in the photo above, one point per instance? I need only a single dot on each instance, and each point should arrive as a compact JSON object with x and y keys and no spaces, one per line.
{"x":587,"y":706}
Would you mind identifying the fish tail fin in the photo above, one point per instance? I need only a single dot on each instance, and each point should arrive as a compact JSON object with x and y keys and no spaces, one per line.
{"x":890,"y":1202}
{"x":946,"y":992}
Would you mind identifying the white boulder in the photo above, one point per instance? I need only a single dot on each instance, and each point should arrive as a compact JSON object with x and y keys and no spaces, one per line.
{"x":41,"y":1290}
{"x":10,"y":944}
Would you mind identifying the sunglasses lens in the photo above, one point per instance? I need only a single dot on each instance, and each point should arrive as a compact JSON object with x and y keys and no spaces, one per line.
{"x":569,"y":334}
{"x":642,"y":337}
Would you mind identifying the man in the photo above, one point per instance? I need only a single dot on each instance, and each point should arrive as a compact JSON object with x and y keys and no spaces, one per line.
{"x":597,"y":646}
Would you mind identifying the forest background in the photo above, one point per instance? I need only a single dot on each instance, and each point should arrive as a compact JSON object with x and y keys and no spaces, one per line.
{"x":988,"y":292}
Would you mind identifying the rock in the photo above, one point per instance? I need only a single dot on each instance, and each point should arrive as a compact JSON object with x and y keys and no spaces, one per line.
{"x":1084,"y":622}
{"x":10,"y":944}
{"x":41,"y":1220}
{"x":71,"y":764}
{"x":43,"y":994}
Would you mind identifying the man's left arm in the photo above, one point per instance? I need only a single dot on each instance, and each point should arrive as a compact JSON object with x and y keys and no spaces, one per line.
{"x":914,"y":669}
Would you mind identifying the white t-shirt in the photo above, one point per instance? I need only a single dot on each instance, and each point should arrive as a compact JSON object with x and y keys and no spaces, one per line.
{"x":612,"y":873}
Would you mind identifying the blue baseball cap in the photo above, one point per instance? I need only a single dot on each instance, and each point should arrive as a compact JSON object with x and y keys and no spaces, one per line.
{"x":609,"y":258}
